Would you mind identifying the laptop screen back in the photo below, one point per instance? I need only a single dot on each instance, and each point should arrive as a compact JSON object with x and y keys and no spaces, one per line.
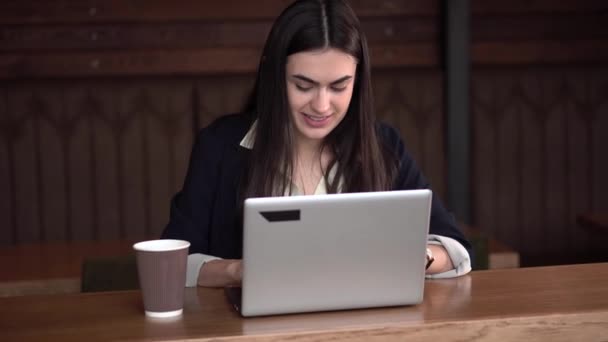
{"x":330,"y":252}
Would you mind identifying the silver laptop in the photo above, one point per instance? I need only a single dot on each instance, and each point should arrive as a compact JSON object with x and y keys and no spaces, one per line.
{"x":333,"y":252}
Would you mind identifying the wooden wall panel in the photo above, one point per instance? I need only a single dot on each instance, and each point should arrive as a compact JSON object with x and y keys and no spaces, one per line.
{"x":412,"y":102}
{"x":540,"y":33}
{"x":493,"y":7}
{"x":55,"y":176}
{"x":185,"y":38}
{"x":81,"y":216}
{"x":140,"y":11}
{"x":27,"y":173}
{"x":536,"y":158}
{"x":170,"y":134}
{"x":556,"y":208}
{"x":493,"y":110}
{"x":599,"y":156}
{"x":7,"y":175}
{"x":211,"y":61}
{"x":216,"y":96}
{"x":102,"y":159}
{"x":540,"y":52}
{"x":580,"y":182}
{"x":546,"y":62}
{"x":7,"y":169}
{"x":101,"y":100}
{"x":22,"y":137}
{"x":105,"y":187}
{"x":189,"y":35}
{"x":132,"y":169}
{"x":565,"y":26}
{"x":89,"y":158}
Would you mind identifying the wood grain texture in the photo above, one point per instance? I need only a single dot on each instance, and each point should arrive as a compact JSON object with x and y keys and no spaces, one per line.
{"x":231,"y":60}
{"x":94,"y":11}
{"x":40,"y":287}
{"x":596,"y":222}
{"x":538,"y":32}
{"x":112,"y":38}
{"x":52,"y":268}
{"x":537,"y":6}
{"x":535,"y":160}
{"x":104,"y":158}
{"x":205,"y":61}
{"x":116,"y":154}
{"x":540,"y":52}
{"x":533,"y":304}
{"x":565,"y":328}
{"x":554,"y":25}
{"x":189,"y":35}
{"x":56,"y":260}
{"x":411,"y":100}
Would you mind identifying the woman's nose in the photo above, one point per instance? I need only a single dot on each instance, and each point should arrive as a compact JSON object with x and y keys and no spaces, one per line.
{"x":320,"y":103}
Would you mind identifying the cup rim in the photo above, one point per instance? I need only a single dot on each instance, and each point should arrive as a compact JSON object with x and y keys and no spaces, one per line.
{"x":172,"y":245}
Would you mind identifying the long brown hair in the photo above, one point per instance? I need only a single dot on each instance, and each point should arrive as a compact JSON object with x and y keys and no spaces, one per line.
{"x":362,"y":163}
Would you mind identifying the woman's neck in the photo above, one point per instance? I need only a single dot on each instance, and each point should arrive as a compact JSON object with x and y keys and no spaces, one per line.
{"x":307,"y":149}
{"x":310,"y":162}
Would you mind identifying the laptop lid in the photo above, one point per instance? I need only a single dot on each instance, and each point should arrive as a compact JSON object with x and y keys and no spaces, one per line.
{"x":332,"y":252}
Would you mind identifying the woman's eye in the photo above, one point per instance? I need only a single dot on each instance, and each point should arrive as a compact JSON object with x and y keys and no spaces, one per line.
{"x":303,"y":88}
{"x":338,"y":89}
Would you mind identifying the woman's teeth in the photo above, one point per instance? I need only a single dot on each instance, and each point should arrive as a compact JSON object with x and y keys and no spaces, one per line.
{"x":316,"y":118}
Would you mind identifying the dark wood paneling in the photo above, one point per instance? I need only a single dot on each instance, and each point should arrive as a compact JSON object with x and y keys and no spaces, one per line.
{"x":183,"y":62}
{"x":545,"y":26}
{"x":412,"y":102}
{"x":129,"y":63}
{"x":65,"y":11}
{"x":119,"y":136}
{"x":536,"y":6}
{"x":540,"y":52}
{"x":189,"y":35}
{"x":535,"y":160}
{"x":539,"y":32}
{"x":93,"y":161}
{"x":101,"y":159}
{"x":539,"y":77}
{"x":34,"y":38}
{"x":113,"y":38}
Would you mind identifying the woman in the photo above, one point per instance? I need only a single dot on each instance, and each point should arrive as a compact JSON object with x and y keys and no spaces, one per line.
{"x":309,"y":129}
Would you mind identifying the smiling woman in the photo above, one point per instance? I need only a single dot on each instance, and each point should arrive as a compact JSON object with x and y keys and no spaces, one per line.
{"x":319,"y":90}
{"x":309,"y":128}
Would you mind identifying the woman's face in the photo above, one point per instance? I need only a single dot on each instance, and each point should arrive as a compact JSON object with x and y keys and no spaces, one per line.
{"x":319,"y":89}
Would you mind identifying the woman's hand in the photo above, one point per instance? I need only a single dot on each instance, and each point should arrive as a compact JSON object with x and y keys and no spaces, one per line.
{"x":442,"y":261}
{"x":221,"y":273}
{"x":229,"y":272}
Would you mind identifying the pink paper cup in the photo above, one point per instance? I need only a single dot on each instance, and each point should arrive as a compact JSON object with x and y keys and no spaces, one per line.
{"x":161,"y":265}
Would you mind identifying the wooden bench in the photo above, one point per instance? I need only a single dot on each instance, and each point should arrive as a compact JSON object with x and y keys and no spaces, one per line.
{"x":595,"y":223}
{"x":53,"y":268}
{"x":498,"y":254}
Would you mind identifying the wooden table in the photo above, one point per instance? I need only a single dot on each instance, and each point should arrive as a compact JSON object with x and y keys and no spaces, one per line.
{"x":560,"y":303}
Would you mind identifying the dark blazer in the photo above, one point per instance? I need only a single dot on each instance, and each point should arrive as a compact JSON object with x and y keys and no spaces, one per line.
{"x":207,"y":213}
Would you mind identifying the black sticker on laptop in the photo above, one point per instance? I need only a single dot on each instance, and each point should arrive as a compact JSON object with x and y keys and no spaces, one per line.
{"x":281,"y":215}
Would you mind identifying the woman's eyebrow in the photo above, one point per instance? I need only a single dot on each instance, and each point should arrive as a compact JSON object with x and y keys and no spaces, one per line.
{"x":306,"y":79}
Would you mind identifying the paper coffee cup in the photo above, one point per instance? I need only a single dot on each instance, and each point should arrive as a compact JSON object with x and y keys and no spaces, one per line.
{"x":161,"y":265}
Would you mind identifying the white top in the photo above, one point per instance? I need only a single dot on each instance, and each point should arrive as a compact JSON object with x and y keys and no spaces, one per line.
{"x":457,"y":253}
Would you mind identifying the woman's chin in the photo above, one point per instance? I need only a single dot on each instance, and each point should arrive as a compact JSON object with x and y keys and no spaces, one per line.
{"x":313,"y":134}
